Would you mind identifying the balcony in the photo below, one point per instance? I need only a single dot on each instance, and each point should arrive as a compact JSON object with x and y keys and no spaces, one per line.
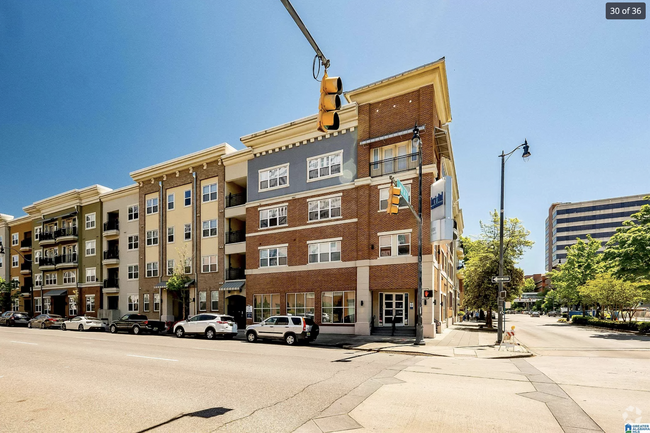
{"x":394,"y":165}
{"x":112,"y":257}
{"x":233,"y":237}
{"x":112,"y":228}
{"x":111,"y":285}
{"x":26,"y":244}
{"x":47,"y":263}
{"x":235,"y":199}
{"x":26,"y":268}
{"x":235,"y":274}
{"x":66,"y":234}
{"x":66,"y":261}
{"x":47,"y":238}
{"x":25,"y":290}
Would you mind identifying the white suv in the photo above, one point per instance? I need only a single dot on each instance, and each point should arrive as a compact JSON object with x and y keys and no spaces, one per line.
{"x":207,"y":324}
{"x":291,"y":329}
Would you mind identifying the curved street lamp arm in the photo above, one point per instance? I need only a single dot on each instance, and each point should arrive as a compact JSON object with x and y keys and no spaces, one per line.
{"x":2,"y":251}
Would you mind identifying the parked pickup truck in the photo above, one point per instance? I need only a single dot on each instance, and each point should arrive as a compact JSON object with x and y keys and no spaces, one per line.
{"x":137,"y":324}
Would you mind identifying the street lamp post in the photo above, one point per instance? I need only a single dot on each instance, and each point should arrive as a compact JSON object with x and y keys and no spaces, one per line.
{"x":31,"y":289}
{"x":419,"y":331}
{"x":501,"y":299}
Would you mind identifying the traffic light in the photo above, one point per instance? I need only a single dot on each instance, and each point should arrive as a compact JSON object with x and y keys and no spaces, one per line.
{"x":394,"y":195}
{"x":330,"y":89}
{"x":428,"y":293}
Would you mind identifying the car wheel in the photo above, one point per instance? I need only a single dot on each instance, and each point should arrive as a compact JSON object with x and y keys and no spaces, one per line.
{"x":42,"y":325}
{"x":81,"y":327}
{"x":113,"y":329}
{"x":290,"y":339}
{"x":29,"y":325}
{"x":251,"y":336}
{"x":136,"y":330}
{"x":63,"y":328}
{"x":210,"y":334}
{"x":180,"y":332}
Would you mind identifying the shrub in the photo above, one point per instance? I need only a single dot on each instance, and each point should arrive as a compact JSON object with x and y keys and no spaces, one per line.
{"x":562,"y":320}
{"x":644,"y":327}
{"x":582,"y":320}
{"x":625,"y":326}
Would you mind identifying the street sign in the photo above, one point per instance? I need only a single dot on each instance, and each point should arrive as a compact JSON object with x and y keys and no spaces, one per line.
{"x":403,"y":191}
{"x":505,"y":279}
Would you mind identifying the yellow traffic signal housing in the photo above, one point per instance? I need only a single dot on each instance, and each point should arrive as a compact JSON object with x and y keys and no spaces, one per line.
{"x":330,"y":89}
{"x":394,"y":196}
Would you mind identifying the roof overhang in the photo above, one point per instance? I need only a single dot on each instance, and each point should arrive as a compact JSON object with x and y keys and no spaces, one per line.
{"x":56,"y":292}
{"x":232,"y":285}
{"x":68,"y":199}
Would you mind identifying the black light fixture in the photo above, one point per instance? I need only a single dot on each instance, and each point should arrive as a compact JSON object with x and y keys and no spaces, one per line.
{"x":2,"y":249}
{"x":526,"y":150}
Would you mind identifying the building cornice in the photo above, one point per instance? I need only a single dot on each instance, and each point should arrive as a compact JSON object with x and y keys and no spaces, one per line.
{"x":241,"y":155}
{"x":430,"y":74}
{"x":22,"y":220}
{"x":298,"y":132}
{"x":184,"y":162}
{"x":125,"y":191}
{"x":68,"y":199}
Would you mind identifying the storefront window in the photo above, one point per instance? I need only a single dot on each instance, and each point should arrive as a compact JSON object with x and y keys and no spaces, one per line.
{"x":301,"y":304}
{"x":338,"y":307}
{"x":265,"y":306}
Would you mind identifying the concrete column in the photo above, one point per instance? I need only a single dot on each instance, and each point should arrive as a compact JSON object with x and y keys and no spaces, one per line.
{"x":364,"y":312}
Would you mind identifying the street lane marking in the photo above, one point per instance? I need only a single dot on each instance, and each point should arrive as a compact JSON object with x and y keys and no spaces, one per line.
{"x":151,"y":357}
{"x":24,"y":342}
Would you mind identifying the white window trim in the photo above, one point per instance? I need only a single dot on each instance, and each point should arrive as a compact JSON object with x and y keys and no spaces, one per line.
{"x":320,"y":241}
{"x":259,"y":266}
{"x":205,"y":293}
{"x":259,"y":172}
{"x":259,"y":217}
{"x":127,"y":242}
{"x":173,"y":235}
{"x":94,"y":271}
{"x":394,"y":245}
{"x":15,"y":256}
{"x":157,"y":238}
{"x":216,"y":184}
{"x":131,"y":207}
{"x":93,"y":303}
{"x":273,"y":206}
{"x":146,"y":270}
{"x":127,"y":272}
{"x":86,"y":249}
{"x":329,"y":197}
{"x":15,"y":237}
{"x":216,"y":227}
{"x":94,"y":215}
{"x":146,"y":208}
{"x":173,"y":202}
{"x":395,"y":232}
{"x":216,"y":263}
{"x":328,"y":176}
{"x":146,"y":304}
{"x":326,"y":241}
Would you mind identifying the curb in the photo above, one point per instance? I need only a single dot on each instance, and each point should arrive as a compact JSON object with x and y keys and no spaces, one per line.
{"x":416,"y":353}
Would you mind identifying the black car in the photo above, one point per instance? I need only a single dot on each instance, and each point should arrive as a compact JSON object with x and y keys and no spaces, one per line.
{"x":14,"y":318}
{"x":137,"y":324}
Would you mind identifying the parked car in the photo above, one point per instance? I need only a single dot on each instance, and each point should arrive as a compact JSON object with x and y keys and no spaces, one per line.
{"x":291,"y":329}
{"x":14,"y":318}
{"x":81,"y":323}
{"x":534,"y":314}
{"x":137,"y":324}
{"x":209,"y":325}
{"x":46,"y":321}
{"x":552,"y":314}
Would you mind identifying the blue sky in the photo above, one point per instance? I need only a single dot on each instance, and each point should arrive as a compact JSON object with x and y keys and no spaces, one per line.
{"x":92,"y":90}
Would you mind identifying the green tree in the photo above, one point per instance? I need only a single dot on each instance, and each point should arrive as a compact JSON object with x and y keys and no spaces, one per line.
{"x":482,"y":263}
{"x":582,"y":264}
{"x":529,"y":285}
{"x":613,"y":295}
{"x":627,"y":256}
{"x":550,"y":301}
{"x":176,"y":285}
{"x":5,"y":295}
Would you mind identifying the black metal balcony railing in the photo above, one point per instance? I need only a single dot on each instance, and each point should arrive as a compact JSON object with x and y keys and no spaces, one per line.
{"x":47,"y":261}
{"x":26,"y":243}
{"x":235,"y":199}
{"x":235,"y":236}
{"x":46,"y":236}
{"x":394,"y":165}
{"x":66,"y":231}
{"x":66,"y":259}
{"x":112,"y":283}
{"x":26,"y":289}
{"x":112,"y":225}
{"x":235,"y":274}
{"x":27,"y":266}
{"x":111,"y":254}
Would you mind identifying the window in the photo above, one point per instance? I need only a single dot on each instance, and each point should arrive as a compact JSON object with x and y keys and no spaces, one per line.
{"x":272,"y":178}
{"x":383,"y":198}
{"x":273,"y":257}
{"x":152,"y":206}
{"x":301,"y":304}
{"x":1,"y":261}
{"x":38,"y":280}
{"x":90,"y":303}
{"x":37,"y":304}
{"x":265,"y":306}
{"x":273,"y":217}
{"x":214,"y":300}
{"x":338,"y":307}
{"x":170,"y":267}
{"x":50,"y":279}
{"x":37,"y":233}
{"x":324,"y":209}
{"x":133,"y":212}
{"x":16,"y":305}
{"x":170,"y":205}
{"x":188,"y":197}
{"x":395,"y":245}
{"x":156,"y":302}
{"x":47,"y":305}
{"x":133,"y":303}
{"x":133,"y":272}
{"x":322,"y":252}
{"x":14,"y":261}
{"x":14,"y":239}
{"x":187,"y":232}
{"x":69,"y":277}
{"x":91,"y":275}
{"x":202,"y":301}
{"x":15,"y":282}
{"x":209,"y":192}
{"x":90,"y":248}
{"x":152,"y":269}
{"x":152,"y":237}
{"x":90,"y":221}
{"x":145,"y":302}
{"x":133,"y":242}
{"x":188,"y":266}
{"x":324,"y":166}
{"x":72,"y":306}
{"x":37,"y":256}
{"x":209,"y":264}
{"x":170,"y":235}
{"x":209,"y":228}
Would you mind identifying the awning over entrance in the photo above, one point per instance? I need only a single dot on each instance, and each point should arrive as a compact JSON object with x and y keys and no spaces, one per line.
{"x":189,"y":283}
{"x":232,"y":285}
{"x":161,"y":285}
{"x":58,"y":292}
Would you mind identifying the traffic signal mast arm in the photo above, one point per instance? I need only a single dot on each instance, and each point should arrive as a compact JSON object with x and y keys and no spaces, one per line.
{"x":323,"y":60}
{"x":393,"y":184}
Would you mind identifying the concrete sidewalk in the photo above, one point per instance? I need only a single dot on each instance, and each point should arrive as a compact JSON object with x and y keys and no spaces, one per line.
{"x":461,"y":340}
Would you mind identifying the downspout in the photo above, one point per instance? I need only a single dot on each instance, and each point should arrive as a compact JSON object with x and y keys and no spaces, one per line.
{"x":194,"y":262}
{"x":162,"y":234}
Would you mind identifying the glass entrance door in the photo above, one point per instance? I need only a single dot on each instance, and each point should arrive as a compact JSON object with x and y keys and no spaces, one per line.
{"x":394,"y":307}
